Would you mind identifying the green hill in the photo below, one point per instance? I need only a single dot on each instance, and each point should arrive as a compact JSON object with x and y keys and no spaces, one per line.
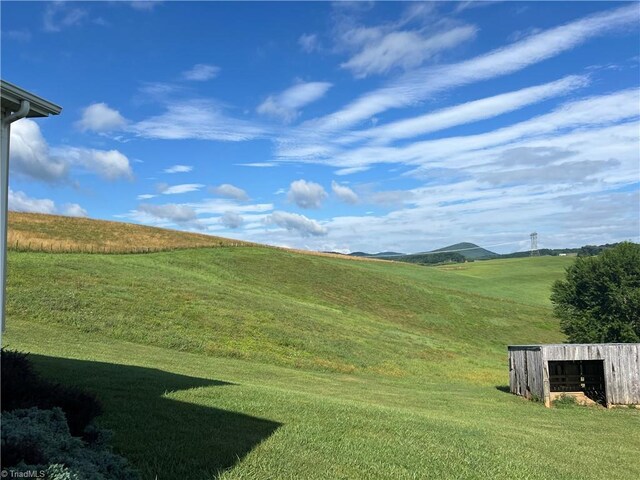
{"x":470,"y":251}
{"x":256,"y":362}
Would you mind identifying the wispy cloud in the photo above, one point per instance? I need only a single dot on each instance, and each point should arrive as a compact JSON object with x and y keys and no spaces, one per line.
{"x":20,"y":35}
{"x":469,"y":112}
{"x":258,"y":164}
{"x":178,"y":169}
{"x":59,"y":15}
{"x":194,"y":119}
{"x":286,"y":104}
{"x":145,"y":5}
{"x":590,"y":112}
{"x":422,"y":83}
{"x":201,"y":72}
{"x":404,"y":50}
{"x":309,"y":42}
{"x":418,"y":35}
{"x":178,"y":189}
{"x":230,"y":191}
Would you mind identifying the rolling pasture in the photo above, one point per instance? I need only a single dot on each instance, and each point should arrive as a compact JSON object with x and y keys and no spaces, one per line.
{"x":258,"y":363}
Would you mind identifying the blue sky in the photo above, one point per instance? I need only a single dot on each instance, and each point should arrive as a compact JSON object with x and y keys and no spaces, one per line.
{"x":334,"y":126}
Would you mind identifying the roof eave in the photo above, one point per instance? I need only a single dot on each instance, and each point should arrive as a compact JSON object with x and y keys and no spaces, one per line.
{"x":12,"y":96}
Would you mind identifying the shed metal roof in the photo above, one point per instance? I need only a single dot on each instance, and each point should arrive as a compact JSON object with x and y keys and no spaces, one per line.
{"x":543,"y":345}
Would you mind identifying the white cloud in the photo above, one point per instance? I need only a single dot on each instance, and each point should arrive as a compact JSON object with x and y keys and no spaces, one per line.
{"x":197,"y":120}
{"x":231,"y":220}
{"x":172,"y":212}
{"x":427,"y":81}
{"x":178,"y":169}
{"x":470,"y":111}
{"x":74,"y":210}
{"x":344,"y":193}
{"x":230,"y":191}
{"x":286,"y":105}
{"x":59,"y":15}
{"x":30,"y":154}
{"x":145,"y":5}
{"x":146,"y":196}
{"x":178,"y":189}
{"x":404,"y":49}
{"x":21,"y":202}
{"x":309,"y":42}
{"x":201,"y":72}
{"x":110,"y":164}
{"x":306,"y":194}
{"x":258,"y":164}
{"x":299,"y":223}
{"x":99,"y":117}
{"x":219,"y":206}
{"x":32,"y":157}
{"x":20,"y":35}
{"x":453,"y":151}
{"x":391,"y":197}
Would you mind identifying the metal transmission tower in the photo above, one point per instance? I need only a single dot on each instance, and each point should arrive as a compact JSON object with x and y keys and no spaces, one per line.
{"x":534,"y":244}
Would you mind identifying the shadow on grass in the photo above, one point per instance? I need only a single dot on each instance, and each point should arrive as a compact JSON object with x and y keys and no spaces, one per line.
{"x":158,"y":435}
{"x":503,"y":388}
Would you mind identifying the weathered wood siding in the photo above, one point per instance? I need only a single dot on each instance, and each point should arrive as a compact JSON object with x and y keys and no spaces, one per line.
{"x":525,"y":372}
{"x":621,"y":367}
{"x":529,"y":368}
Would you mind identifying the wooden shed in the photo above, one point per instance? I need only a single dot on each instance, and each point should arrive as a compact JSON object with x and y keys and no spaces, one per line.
{"x":606,"y":373}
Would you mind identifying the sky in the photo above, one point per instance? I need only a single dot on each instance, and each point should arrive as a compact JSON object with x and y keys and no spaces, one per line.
{"x":366,"y":126}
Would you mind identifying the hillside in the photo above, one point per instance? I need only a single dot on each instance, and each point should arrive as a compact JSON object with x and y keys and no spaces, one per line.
{"x":41,"y":232}
{"x":255,"y":362}
{"x":277,"y":307}
{"x":470,"y":251}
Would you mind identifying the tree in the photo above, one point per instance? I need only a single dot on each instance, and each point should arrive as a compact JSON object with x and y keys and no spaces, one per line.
{"x":599,"y":300}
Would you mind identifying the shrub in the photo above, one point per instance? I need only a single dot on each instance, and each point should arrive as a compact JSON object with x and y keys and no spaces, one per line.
{"x":599,"y":301}
{"x":39,"y":440}
{"x":23,"y":388}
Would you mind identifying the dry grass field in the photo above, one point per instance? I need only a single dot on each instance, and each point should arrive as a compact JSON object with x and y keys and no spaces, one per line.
{"x":37,"y":232}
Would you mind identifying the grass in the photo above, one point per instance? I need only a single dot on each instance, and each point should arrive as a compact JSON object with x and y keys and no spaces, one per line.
{"x":309,"y":312}
{"x":261,"y":363}
{"x":55,"y":233}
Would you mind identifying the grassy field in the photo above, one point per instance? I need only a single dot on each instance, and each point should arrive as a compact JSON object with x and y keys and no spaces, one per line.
{"x":247,"y":363}
{"x":56,"y":233}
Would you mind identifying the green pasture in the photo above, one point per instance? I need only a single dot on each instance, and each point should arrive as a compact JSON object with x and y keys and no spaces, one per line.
{"x":256,"y":363}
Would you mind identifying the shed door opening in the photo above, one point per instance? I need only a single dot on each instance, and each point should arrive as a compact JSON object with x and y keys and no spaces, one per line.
{"x":586,"y":376}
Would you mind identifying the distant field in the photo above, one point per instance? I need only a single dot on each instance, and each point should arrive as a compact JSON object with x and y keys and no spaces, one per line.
{"x":259,"y":363}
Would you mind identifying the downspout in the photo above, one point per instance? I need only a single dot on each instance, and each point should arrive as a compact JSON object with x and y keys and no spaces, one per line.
{"x":7,"y":120}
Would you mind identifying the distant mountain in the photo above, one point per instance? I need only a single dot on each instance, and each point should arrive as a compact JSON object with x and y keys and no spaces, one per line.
{"x":377,"y":255}
{"x":470,"y":251}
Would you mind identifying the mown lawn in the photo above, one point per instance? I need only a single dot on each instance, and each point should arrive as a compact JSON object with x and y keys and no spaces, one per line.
{"x":254,"y":363}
